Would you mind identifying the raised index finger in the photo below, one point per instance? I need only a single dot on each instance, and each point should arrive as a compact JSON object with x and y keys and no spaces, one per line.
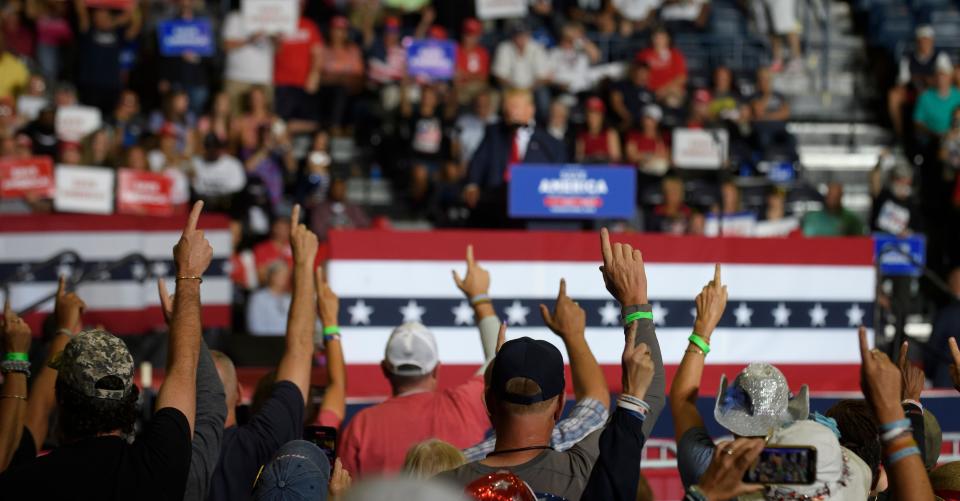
{"x":716,"y":275}
{"x":954,"y":350}
{"x":904,"y":348}
{"x":62,"y":286}
{"x":194,"y":216}
{"x":563,"y":288}
{"x":605,"y":249}
{"x":864,"y":345}
{"x":295,"y":216}
{"x":469,"y":255}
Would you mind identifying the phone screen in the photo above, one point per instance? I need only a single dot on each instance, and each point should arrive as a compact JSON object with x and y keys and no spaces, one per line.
{"x":784,"y":465}
{"x":324,"y":437}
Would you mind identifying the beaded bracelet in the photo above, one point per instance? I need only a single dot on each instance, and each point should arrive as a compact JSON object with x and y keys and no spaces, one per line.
{"x":20,"y":366}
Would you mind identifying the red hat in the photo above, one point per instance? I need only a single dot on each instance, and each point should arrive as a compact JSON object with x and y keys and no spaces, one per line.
{"x":702,"y":96}
{"x":339,"y":22}
{"x":595,"y":104}
{"x":437,"y":32}
{"x":167,"y":130}
{"x":472,"y":26}
{"x":391,"y":23}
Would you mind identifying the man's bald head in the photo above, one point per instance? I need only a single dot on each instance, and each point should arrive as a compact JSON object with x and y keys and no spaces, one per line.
{"x":228,"y":375}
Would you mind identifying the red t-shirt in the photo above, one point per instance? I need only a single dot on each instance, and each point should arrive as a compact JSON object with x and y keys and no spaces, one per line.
{"x":473,"y":63}
{"x":643,"y":143}
{"x":595,"y":145}
{"x":292,"y":61}
{"x":376,"y":440}
{"x":663,"y":69}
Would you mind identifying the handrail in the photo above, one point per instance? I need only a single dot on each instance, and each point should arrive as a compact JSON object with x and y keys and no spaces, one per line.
{"x":56,"y":259}
{"x":85,"y":275}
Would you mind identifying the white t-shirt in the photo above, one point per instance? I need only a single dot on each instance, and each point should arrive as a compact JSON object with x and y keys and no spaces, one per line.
{"x":224,"y":176}
{"x":684,"y":10}
{"x":571,"y":68}
{"x":251,"y":62}
{"x":636,"y":10}
{"x":522,"y":70}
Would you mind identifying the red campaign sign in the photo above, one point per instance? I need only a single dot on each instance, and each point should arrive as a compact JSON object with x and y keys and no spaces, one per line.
{"x":109,"y":4}
{"x":26,"y":176}
{"x":143,"y":193}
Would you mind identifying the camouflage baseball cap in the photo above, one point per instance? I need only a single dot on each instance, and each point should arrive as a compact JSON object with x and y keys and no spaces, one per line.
{"x":91,"y":356}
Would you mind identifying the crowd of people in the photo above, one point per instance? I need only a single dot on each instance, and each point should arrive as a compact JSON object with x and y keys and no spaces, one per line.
{"x":193,"y":442}
{"x":266,"y":121}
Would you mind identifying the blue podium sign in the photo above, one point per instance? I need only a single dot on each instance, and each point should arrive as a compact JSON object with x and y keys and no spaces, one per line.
{"x":898,"y":256}
{"x":572,"y":191}
{"x":178,"y":37}
{"x":433,"y":59}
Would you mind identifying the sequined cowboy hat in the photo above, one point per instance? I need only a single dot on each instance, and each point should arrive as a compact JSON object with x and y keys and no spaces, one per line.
{"x":759,"y":402}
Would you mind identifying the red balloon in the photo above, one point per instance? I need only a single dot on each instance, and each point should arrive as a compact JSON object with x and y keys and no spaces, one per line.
{"x":500,"y":486}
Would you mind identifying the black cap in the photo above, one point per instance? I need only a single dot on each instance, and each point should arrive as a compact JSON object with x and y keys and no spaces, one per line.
{"x":539,"y":361}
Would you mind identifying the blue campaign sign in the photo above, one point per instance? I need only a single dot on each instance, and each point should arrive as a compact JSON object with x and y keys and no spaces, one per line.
{"x":572,"y":191}
{"x":898,"y":256}
{"x":177,"y":37}
{"x":433,"y":59}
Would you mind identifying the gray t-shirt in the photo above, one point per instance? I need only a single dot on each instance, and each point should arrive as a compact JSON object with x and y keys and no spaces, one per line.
{"x":561,"y":474}
{"x":694,"y":453}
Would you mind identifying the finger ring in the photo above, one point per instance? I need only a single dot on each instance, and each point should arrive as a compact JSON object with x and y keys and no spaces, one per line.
{"x":728,"y":451}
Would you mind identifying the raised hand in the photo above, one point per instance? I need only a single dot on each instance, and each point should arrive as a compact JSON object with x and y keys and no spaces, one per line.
{"x":303,"y":242}
{"x":68,"y":307}
{"x":328,"y":304}
{"x":568,"y":318}
{"x":16,"y":332}
{"x":477,"y":280}
{"x":193,"y":253}
{"x":339,"y":480}
{"x":955,"y":366}
{"x":880,"y":381}
{"x":637,"y":365}
{"x":724,"y":477}
{"x":913,"y":378}
{"x":623,"y":271}
{"x":711,"y":302}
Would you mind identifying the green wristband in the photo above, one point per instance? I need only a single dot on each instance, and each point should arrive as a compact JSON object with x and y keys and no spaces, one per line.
{"x":700,"y":342}
{"x":637,"y":315}
{"x":18,"y":357}
{"x":333,"y":329}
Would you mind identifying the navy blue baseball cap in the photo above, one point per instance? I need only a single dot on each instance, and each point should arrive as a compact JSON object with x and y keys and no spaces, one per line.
{"x":299,"y":471}
{"x":538,"y":361}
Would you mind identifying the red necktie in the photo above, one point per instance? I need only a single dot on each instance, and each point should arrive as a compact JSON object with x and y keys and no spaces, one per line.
{"x":514,"y":156}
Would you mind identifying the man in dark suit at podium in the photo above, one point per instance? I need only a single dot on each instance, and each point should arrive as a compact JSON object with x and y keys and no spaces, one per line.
{"x":516,"y":139}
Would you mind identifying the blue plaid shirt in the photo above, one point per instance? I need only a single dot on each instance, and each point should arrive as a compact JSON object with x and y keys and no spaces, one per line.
{"x":587,"y":416}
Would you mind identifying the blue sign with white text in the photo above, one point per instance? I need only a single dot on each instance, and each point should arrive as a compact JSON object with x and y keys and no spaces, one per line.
{"x":898,"y":256}
{"x":572,"y":191}
{"x":178,"y":37}
{"x":432,"y":59}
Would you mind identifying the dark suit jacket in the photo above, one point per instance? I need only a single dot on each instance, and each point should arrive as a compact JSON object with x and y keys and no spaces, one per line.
{"x":490,"y":160}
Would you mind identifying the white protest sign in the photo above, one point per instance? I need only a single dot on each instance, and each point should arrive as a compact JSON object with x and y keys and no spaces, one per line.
{"x":73,"y":123}
{"x":498,"y":9}
{"x":30,"y":106}
{"x":700,"y":148}
{"x":83,"y":189}
{"x":270,"y":16}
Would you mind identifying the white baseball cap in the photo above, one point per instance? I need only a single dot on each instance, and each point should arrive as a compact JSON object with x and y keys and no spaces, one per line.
{"x":411,"y":350}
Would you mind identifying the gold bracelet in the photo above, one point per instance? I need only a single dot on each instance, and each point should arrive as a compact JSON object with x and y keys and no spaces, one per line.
{"x":21,"y":397}
{"x":199,"y":279}
{"x":696,"y":351}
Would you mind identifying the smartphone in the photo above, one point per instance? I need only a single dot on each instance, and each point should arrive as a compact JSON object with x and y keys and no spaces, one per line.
{"x":324,"y":437}
{"x":784,"y":464}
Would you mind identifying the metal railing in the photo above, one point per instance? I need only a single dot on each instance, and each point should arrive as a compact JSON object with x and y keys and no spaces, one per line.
{"x":72,"y":259}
